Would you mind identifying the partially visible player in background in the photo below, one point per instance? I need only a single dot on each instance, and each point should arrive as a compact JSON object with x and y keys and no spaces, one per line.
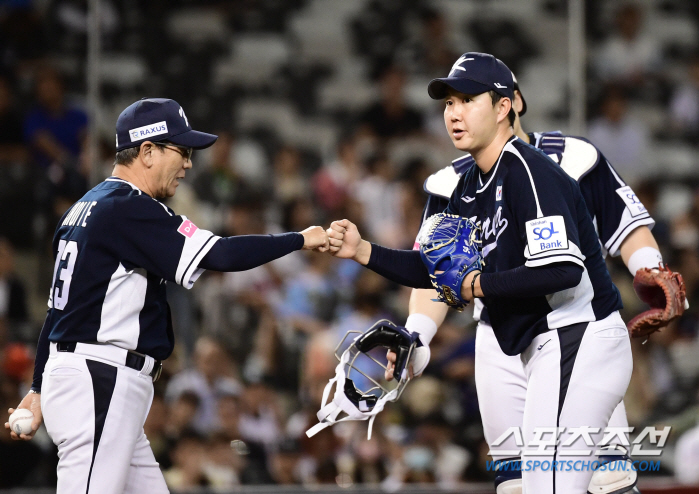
{"x":623,"y":226}
{"x":108,"y":325}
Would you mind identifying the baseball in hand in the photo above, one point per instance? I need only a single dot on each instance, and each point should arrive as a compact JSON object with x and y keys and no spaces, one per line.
{"x":21,"y":421}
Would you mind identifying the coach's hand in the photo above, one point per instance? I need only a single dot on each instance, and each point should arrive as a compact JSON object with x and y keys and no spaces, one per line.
{"x":347,"y":243}
{"x":315,"y":238}
{"x":31,"y":402}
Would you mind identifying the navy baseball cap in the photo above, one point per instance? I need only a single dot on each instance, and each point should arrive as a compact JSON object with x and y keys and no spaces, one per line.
{"x":475,"y":73}
{"x":158,"y":119}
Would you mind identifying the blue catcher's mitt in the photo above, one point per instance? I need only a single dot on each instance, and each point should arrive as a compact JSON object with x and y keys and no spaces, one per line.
{"x":450,"y":245}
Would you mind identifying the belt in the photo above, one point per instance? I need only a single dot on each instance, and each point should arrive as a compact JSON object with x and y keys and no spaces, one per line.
{"x":133,"y":359}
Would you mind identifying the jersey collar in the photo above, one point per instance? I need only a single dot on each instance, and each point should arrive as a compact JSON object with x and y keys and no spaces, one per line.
{"x":489,"y":176}
{"x":117,"y":179}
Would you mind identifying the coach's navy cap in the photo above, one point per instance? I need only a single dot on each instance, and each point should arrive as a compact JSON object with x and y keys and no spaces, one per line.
{"x":475,"y":73}
{"x":158,"y":119}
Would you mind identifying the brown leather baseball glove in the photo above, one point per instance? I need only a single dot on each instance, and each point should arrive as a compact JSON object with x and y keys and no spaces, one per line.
{"x":664,"y":291}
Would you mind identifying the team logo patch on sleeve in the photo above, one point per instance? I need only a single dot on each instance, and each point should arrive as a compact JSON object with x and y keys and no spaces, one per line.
{"x":545,"y":234}
{"x":632,"y":202}
{"x":187,"y":228}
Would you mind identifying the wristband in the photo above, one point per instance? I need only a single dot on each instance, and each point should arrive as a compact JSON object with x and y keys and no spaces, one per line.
{"x":473,"y":286}
{"x":645,"y":257}
{"x":422,"y":325}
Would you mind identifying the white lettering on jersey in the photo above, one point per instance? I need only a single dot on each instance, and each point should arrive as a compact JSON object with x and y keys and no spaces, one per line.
{"x":148,"y":131}
{"x":73,"y":215}
{"x":59,"y":296}
{"x":88,"y":213}
{"x":544,"y":234}
{"x":634,"y":206}
{"x":78,"y":214}
{"x":493,"y":228}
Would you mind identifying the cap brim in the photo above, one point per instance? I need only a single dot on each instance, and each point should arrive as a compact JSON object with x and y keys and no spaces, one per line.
{"x":439,"y":88}
{"x":193,"y":139}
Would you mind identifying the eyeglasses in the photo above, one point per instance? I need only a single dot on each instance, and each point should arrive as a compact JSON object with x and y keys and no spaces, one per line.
{"x":185,"y":152}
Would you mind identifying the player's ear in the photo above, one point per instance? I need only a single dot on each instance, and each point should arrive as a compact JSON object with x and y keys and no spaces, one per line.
{"x":146,"y":153}
{"x":504,"y":106}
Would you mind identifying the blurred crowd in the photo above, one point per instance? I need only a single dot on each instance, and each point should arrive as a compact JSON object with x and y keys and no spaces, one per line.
{"x":255,"y":349}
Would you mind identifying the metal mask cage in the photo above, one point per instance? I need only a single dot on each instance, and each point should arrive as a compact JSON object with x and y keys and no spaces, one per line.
{"x":355,"y":353}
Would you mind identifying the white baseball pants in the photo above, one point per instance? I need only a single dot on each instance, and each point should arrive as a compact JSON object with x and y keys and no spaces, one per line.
{"x":573,"y":377}
{"x":94,"y":410}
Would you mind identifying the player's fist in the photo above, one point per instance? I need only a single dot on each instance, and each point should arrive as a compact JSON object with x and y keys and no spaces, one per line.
{"x":346,"y":242}
{"x":31,"y":402}
{"x":315,"y":238}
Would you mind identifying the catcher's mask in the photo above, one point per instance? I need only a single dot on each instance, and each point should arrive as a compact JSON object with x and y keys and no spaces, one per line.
{"x":355,"y":403}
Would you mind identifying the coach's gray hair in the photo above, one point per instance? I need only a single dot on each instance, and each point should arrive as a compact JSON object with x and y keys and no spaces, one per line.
{"x":495,"y":97}
{"x":127,"y":156}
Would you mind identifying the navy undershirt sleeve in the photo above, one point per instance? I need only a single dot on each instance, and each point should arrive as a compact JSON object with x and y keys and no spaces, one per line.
{"x":249,"y":251}
{"x":42,"y":356}
{"x":524,"y":281}
{"x":404,"y":267}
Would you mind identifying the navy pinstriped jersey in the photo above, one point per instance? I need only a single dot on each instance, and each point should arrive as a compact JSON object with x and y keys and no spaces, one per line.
{"x":114,"y":251}
{"x":532,"y":213}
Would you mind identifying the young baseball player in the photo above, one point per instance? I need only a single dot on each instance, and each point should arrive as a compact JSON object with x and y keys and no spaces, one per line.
{"x":544,"y":283}
{"x":623,"y":226}
{"x":108,"y":325}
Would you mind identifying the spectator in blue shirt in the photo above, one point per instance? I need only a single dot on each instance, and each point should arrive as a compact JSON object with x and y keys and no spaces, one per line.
{"x":56,"y":136}
{"x":55,"y":131}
